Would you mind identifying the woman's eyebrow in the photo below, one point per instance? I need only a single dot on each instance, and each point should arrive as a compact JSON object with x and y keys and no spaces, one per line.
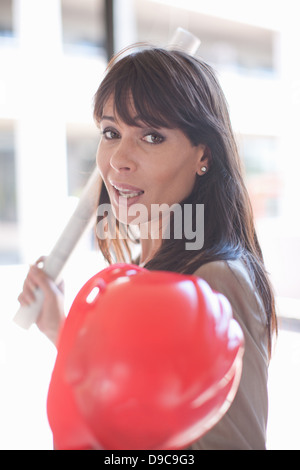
{"x":107,"y":118}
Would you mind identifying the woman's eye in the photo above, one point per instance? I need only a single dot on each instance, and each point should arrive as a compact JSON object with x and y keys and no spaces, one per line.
{"x":110,"y":134}
{"x":153,"y":138}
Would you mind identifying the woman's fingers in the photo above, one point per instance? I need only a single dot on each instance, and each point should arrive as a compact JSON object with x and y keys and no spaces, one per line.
{"x":52,"y":313}
{"x":40,"y":261}
{"x":39,"y":278}
{"x":36,"y":278}
{"x":27,"y":295}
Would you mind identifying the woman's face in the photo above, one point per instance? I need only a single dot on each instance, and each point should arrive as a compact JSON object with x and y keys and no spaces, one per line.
{"x":143,"y":165}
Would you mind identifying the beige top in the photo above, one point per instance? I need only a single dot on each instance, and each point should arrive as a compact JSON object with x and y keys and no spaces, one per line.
{"x":244,"y":424}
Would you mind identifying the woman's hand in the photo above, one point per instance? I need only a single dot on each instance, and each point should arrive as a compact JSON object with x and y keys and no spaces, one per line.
{"x":52,"y":314}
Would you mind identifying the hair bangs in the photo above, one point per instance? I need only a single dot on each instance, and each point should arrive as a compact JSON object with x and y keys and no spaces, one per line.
{"x":139,"y":92}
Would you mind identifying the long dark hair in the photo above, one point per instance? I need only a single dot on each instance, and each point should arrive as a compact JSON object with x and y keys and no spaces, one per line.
{"x":174,"y":90}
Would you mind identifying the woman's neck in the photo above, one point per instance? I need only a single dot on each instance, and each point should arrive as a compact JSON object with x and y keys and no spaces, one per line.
{"x":149,"y":248}
{"x":151,"y":240}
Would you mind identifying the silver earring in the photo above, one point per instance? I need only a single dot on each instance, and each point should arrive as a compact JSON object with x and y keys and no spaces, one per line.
{"x":203,"y":169}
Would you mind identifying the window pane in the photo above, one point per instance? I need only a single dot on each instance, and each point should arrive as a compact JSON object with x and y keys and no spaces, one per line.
{"x":83,"y":25}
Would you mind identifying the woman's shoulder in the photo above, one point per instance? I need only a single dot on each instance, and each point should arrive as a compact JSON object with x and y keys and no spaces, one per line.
{"x":225,"y":272}
{"x":230,"y":277}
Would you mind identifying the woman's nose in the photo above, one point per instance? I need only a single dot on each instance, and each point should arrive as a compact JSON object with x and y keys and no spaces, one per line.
{"x":122,"y":158}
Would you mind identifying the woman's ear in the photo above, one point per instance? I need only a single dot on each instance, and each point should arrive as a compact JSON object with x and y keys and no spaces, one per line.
{"x":204,"y":161}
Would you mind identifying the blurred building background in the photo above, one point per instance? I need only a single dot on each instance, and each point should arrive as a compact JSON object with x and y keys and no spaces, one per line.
{"x":52,"y":57}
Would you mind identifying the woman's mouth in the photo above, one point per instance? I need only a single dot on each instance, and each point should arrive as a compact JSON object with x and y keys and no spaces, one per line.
{"x":125,"y":192}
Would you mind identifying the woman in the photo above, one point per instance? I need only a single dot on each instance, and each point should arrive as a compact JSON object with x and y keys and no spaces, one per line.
{"x":166,"y":138}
